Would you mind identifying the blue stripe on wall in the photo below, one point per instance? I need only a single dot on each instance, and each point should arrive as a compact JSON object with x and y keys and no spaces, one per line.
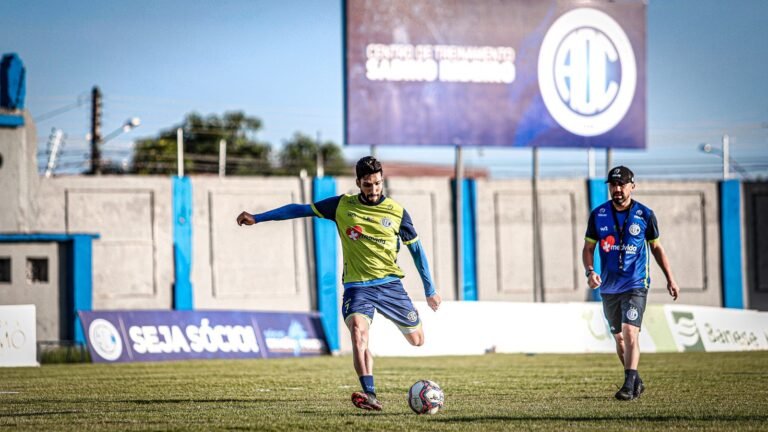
{"x":183,"y":298}
{"x":598,"y":194}
{"x":730,"y":231}
{"x":82,"y":280}
{"x":469,"y":216}
{"x":325,"y":264}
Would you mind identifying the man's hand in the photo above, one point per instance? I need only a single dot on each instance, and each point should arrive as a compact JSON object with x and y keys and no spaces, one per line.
{"x":245,"y":218}
{"x":434,"y":301}
{"x":673,"y":289}
{"x":594,"y":280}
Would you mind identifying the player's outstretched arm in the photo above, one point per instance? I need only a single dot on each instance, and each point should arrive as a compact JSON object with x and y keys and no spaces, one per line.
{"x":290,"y":211}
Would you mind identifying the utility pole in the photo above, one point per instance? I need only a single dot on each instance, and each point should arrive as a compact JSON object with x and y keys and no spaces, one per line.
{"x":95,"y":130}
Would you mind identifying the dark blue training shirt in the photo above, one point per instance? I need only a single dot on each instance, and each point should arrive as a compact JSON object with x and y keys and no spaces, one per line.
{"x":622,"y":238}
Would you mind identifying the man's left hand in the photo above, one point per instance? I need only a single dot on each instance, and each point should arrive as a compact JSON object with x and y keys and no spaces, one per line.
{"x":434,"y":301}
{"x":673,"y":289}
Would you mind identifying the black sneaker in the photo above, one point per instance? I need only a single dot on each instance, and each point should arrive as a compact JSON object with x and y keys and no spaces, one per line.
{"x":625,"y":394}
{"x":366,"y":401}
{"x":639,"y":388}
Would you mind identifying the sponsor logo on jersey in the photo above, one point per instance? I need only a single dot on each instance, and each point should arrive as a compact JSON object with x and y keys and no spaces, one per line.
{"x":634,"y":229}
{"x":639,"y":212}
{"x":604,"y":229}
{"x":354,"y":232}
{"x":607,"y":243}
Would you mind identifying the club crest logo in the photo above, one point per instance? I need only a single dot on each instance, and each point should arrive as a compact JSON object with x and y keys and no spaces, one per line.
{"x":354,"y":232}
{"x":634,"y":229}
{"x":412,"y":316}
{"x":587,"y":72}
{"x":386,"y":222}
{"x":632,"y":314}
{"x":639,"y":212}
{"x":607,"y":243}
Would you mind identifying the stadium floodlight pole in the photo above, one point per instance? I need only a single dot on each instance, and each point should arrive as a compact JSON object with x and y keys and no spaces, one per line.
{"x":459,"y":183}
{"x":608,"y":160}
{"x":538,"y":270}
{"x":54,"y":144}
{"x":222,"y":157}
{"x":319,"y":158}
{"x":180,"y":152}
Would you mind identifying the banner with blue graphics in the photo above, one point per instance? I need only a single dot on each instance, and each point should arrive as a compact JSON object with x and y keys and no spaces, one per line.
{"x":127,"y":336}
{"x":521,"y":73}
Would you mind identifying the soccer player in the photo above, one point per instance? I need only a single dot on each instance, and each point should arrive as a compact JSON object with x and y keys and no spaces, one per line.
{"x":625,"y":231}
{"x":371,"y":227}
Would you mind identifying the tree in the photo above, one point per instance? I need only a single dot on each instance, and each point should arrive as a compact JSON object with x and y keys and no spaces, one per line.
{"x":245,"y":155}
{"x":300,"y":152}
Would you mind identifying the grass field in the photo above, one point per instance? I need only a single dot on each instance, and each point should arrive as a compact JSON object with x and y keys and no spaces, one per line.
{"x":701,"y":391}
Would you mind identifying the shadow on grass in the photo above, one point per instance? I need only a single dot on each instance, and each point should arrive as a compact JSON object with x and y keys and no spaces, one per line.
{"x":639,"y":419}
{"x":40,"y":413}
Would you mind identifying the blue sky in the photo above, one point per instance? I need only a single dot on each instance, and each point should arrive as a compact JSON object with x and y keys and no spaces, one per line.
{"x":281,"y":61}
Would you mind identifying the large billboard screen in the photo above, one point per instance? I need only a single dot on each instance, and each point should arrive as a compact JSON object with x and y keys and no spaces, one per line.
{"x":544,"y":73}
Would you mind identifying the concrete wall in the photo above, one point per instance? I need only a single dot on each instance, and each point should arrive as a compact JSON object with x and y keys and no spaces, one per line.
{"x":265,"y":266}
{"x":18,"y":176}
{"x":132,"y":260}
{"x":47,"y":297}
{"x":506,"y":235}
{"x":689,"y":226}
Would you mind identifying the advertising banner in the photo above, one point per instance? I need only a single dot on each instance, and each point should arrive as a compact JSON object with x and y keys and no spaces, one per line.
{"x":125,"y":336}
{"x":469,"y":328}
{"x":18,"y":336}
{"x":545,"y":73}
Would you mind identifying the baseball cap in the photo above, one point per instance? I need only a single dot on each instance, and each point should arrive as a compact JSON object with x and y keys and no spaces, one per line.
{"x":621,"y":174}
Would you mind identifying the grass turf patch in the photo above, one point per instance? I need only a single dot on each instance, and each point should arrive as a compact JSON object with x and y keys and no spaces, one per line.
{"x":703,"y":391}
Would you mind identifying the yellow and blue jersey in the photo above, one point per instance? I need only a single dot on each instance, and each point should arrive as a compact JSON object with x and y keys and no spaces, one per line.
{"x":371,"y":235}
{"x":622,"y":238}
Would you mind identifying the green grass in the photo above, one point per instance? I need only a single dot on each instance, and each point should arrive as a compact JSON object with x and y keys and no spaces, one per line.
{"x":701,"y":391}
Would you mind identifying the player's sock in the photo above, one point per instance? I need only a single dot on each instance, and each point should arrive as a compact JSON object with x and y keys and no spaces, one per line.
{"x":367,"y":382}
{"x":630,"y":378}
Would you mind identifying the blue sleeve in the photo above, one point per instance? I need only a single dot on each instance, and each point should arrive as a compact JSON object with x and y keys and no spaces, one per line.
{"x":290,"y":211}
{"x":326,"y":208}
{"x":591,"y":228}
{"x":652,"y":230}
{"x":420,"y":259}
{"x":407,"y":230}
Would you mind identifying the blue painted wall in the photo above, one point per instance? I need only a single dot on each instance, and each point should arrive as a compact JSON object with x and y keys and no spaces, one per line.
{"x":598,"y":194}
{"x":469,"y":235}
{"x":325,"y":264}
{"x":730,"y":231}
{"x":183,"y":298}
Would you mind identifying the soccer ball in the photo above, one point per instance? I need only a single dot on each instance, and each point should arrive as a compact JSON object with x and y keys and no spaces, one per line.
{"x":425,"y":397}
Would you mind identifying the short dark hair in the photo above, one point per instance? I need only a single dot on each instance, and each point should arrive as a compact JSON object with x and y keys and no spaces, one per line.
{"x":367,"y":166}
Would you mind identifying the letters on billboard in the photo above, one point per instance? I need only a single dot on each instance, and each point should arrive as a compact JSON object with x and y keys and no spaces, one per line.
{"x":125,"y":336}
{"x":544,"y":73}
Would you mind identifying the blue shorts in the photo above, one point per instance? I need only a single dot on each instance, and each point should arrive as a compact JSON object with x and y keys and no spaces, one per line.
{"x":390,"y":299}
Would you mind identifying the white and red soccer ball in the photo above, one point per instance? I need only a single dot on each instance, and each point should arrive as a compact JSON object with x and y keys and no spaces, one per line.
{"x":425,"y":397}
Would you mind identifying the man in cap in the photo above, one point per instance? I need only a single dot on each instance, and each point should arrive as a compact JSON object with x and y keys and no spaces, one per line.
{"x":625,"y":230}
